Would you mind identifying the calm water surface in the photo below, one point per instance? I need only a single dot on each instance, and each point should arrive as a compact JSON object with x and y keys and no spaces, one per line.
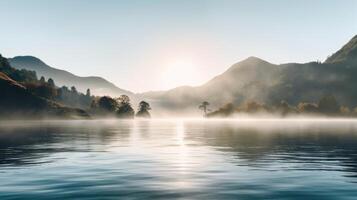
{"x":178,"y":159}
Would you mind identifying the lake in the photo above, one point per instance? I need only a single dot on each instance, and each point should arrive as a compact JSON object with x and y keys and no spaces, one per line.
{"x":179,"y":159}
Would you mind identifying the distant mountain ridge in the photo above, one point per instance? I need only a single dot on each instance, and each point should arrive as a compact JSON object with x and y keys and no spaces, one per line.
{"x":97,"y":85}
{"x":261,"y":81}
{"x":347,"y":54}
{"x":251,"y":79}
{"x":18,"y":101}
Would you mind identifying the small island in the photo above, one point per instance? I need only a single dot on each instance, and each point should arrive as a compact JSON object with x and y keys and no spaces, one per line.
{"x":327,"y":106}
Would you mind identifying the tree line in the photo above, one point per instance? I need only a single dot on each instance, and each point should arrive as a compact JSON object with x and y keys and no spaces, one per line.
{"x":119,"y":107}
{"x":327,"y":106}
{"x":97,"y":106}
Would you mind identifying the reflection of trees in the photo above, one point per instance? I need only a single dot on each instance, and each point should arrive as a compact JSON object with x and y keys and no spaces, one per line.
{"x":143,"y":128}
{"x":260,"y":147}
{"x":254,"y":145}
{"x":30,"y":144}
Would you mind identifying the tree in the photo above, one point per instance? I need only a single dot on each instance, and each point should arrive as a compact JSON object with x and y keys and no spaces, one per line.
{"x":125,"y":110}
{"x":107,"y":104}
{"x":42,"y":79}
{"x":124,"y":99}
{"x":308,"y":107}
{"x":204,"y":106}
{"x":94,"y":104}
{"x":144,"y":108}
{"x":284,"y":108}
{"x":42,"y":90}
{"x":51,"y":82}
{"x":73,"y":89}
{"x":225,"y":111}
{"x":88,"y":93}
{"x":254,"y":107}
{"x":65,"y":88}
{"x":22,"y":76}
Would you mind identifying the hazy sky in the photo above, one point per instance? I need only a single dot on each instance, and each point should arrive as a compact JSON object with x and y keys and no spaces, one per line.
{"x":151,"y":44}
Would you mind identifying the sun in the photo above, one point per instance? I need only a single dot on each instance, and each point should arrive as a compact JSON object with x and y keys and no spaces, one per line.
{"x":179,"y":73}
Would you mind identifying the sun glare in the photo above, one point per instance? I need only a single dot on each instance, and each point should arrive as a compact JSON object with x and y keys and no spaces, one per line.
{"x":179,"y":73}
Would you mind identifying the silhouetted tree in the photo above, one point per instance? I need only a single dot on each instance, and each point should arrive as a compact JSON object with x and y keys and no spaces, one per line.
{"x":144,"y":108}
{"x":94,"y":104}
{"x":88,"y":92}
{"x":204,"y":106}
{"x":225,"y":111}
{"x":125,"y":110}
{"x":74,"y":98}
{"x":124,"y":99}
{"x":51,"y":82}
{"x":42,"y":80}
{"x":73,"y":89}
{"x":107,"y":104}
{"x":42,"y":90}
{"x":65,"y":88}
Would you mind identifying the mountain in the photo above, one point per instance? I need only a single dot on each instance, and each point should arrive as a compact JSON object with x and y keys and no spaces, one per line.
{"x":97,"y":85}
{"x":261,"y":81}
{"x":251,"y":79}
{"x":17,"y":101}
{"x":347,"y":54}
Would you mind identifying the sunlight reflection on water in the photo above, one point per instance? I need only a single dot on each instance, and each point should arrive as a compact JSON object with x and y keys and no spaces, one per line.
{"x":179,"y":158}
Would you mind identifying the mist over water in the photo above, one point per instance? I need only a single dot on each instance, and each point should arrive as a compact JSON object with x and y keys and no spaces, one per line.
{"x":242,"y":158}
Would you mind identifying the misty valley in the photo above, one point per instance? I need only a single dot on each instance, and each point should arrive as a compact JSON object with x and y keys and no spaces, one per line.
{"x":252,"y":86}
{"x":179,"y":99}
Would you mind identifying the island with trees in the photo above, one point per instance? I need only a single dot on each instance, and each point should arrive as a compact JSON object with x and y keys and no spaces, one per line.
{"x":326,"y":106}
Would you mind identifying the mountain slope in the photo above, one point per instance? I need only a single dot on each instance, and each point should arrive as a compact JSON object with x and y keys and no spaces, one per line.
{"x":19,"y":102}
{"x":16,"y":101}
{"x":98,"y":85}
{"x":244,"y":80}
{"x":347,"y":54}
{"x":258,"y":80}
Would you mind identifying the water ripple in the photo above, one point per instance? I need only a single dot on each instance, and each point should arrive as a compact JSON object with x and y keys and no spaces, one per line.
{"x":178,"y":159}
